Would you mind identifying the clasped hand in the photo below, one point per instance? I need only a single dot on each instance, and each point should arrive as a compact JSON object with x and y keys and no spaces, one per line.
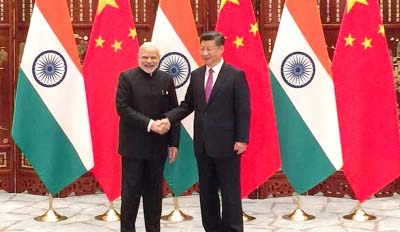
{"x":161,"y":126}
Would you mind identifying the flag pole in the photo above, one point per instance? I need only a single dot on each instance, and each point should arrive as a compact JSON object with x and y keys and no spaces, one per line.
{"x":51,"y":215}
{"x":298,"y":214}
{"x":359,"y":215}
{"x":176,"y":215}
{"x":111,"y":215}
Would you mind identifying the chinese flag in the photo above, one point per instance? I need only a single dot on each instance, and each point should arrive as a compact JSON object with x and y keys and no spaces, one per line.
{"x":366,"y":100}
{"x":112,"y":48}
{"x":243,"y":49}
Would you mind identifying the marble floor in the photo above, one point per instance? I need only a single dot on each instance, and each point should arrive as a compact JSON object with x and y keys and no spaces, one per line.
{"x":18,"y":210}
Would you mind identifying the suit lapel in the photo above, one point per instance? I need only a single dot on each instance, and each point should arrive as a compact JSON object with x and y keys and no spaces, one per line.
{"x":201,"y":85}
{"x":218,"y":84}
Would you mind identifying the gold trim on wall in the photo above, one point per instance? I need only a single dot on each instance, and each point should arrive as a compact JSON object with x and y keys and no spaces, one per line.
{"x":3,"y":159}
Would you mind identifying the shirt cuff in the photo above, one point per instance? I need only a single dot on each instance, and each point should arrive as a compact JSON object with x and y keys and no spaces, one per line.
{"x":149,"y":126}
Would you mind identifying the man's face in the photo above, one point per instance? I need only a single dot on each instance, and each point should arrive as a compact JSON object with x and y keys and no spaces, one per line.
{"x":148,"y":59}
{"x":210,"y":53}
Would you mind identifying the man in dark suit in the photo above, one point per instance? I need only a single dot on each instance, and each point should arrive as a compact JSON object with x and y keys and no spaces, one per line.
{"x":219,"y":95}
{"x":144,"y":93}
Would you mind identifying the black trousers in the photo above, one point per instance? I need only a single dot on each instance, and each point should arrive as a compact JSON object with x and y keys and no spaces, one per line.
{"x":141,"y":177}
{"x":220,"y":174}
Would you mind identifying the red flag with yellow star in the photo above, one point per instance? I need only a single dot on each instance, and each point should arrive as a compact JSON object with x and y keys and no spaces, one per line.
{"x":366,"y":100}
{"x":112,"y":48}
{"x":243,"y":49}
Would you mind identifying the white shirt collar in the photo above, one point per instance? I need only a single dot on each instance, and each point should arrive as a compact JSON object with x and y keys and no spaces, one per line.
{"x":216,"y":69}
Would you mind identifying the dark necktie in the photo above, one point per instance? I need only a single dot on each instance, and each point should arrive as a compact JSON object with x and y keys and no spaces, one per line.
{"x":209,"y":84}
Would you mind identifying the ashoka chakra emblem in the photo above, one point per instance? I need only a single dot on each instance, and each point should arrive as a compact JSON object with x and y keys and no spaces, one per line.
{"x":49,"y":68}
{"x":298,"y":69}
{"x":177,"y":65}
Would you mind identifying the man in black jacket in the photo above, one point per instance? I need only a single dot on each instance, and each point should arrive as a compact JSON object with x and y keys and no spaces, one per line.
{"x":219,"y":95}
{"x":144,"y":95}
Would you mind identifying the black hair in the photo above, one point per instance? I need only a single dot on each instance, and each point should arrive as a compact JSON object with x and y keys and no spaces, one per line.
{"x":213,"y":35}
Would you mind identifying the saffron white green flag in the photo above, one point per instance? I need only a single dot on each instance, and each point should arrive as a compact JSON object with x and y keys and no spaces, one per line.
{"x":304,"y":98}
{"x":176,"y":36}
{"x":51,"y":125}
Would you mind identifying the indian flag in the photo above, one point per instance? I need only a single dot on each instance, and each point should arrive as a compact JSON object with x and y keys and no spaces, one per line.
{"x":176,"y":35}
{"x":304,"y":98}
{"x":51,"y":125}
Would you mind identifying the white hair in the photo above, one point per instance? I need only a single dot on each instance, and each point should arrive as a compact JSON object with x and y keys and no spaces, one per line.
{"x":149,"y":45}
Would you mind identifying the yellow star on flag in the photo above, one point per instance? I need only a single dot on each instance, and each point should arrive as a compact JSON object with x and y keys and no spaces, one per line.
{"x":350,"y":4}
{"x":117,"y":45}
{"x":99,"y":41}
{"x":349,"y":40}
{"x":253,"y":28}
{"x":381,"y":30}
{"x":104,"y":3}
{"x":238,"y":42}
{"x":367,"y":43}
{"x":225,"y":1}
{"x":132,"y":32}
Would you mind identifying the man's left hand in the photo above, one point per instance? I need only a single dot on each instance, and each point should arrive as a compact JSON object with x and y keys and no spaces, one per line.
{"x":240,"y":147}
{"x":173,"y":154}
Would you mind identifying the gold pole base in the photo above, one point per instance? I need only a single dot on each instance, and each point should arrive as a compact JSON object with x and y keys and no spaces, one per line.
{"x":298,"y":215}
{"x":50,"y":216}
{"x":109,"y":216}
{"x":247,"y":218}
{"x":176,"y":216}
{"x":359,"y":215}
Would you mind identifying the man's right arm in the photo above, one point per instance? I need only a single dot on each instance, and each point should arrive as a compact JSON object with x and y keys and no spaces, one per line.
{"x":184,"y":109}
{"x":124,"y":106}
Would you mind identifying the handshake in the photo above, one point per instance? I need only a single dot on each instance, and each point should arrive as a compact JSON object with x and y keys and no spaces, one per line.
{"x":160,"y":126}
